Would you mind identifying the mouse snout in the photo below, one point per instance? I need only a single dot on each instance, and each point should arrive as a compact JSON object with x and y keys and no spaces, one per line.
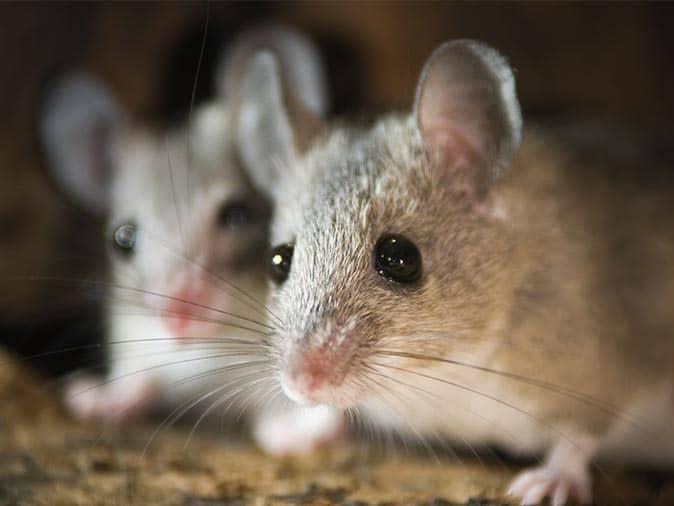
{"x":181,"y":309}
{"x":318,"y":373}
{"x":188,"y":311}
{"x":308,"y":376}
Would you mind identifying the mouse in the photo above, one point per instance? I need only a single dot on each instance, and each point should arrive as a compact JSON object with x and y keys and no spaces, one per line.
{"x":186,"y":325}
{"x":446,"y":273}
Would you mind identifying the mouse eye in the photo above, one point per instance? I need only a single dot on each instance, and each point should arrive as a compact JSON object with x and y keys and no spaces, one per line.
{"x":235,"y":214}
{"x":124,"y":238}
{"x":396,"y":258}
{"x":280,"y":259}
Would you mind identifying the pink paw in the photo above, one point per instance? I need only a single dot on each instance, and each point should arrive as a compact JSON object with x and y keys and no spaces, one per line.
{"x":90,"y":398}
{"x":547,"y":481}
{"x":298,"y":431}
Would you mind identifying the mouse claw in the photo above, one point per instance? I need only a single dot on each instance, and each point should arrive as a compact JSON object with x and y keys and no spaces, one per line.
{"x":533,"y":486}
{"x":563,"y":477}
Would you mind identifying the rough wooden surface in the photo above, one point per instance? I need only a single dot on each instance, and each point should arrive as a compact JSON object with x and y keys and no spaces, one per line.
{"x":48,"y":459}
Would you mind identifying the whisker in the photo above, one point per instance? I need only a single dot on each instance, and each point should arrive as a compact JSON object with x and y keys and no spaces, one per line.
{"x":175,"y":195}
{"x":194,"y":85}
{"x":184,"y":407}
{"x":274,"y":399}
{"x":250,"y":301}
{"x":239,"y":294}
{"x":199,"y":305}
{"x":400,"y":382}
{"x":225,"y":340}
{"x":420,"y":438}
{"x":148,"y":369}
{"x":177,"y":315}
{"x":116,"y":301}
{"x":193,"y":341}
{"x":541,"y":422}
{"x":244,"y":406}
{"x":263,"y":309}
{"x":271,"y":394}
{"x":375,"y":434}
{"x":442,"y":440}
{"x":133,"y":356}
{"x":598,"y":404}
{"x":220,"y":370}
{"x":463,"y":408}
{"x":156,"y":354}
{"x":218,"y":402}
{"x":147,"y":292}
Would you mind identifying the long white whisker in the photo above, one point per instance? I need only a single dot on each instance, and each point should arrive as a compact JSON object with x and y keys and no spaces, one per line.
{"x":148,"y":369}
{"x":595,"y":403}
{"x":184,"y":407}
{"x":218,"y":402}
{"x":486,"y":396}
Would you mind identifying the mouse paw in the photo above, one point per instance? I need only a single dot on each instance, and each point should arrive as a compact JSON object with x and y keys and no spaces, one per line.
{"x":90,"y":398}
{"x":536,"y":484}
{"x":298,"y":431}
{"x":563,"y":476}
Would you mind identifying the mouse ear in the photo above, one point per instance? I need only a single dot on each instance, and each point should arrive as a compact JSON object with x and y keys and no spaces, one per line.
{"x":467,"y":111}
{"x":275,"y":80}
{"x":301,"y":65}
{"x":78,"y":125}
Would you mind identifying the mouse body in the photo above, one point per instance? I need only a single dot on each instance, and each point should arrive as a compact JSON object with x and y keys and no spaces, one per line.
{"x":443,"y":279}
{"x":187,"y":327}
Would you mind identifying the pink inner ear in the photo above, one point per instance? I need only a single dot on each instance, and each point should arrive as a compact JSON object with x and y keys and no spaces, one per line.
{"x":450,"y":108}
{"x":467,"y":111}
{"x":450,"y":143}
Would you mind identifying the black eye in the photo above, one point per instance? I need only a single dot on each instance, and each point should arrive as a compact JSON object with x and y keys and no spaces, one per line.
{"x":236,"y":214}
{"x":397,"y":259}
{"x":124,"y":238}
{"x":280,"y":259}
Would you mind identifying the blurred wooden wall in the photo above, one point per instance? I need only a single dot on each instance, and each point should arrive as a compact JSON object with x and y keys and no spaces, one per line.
{"x":612,"y":60}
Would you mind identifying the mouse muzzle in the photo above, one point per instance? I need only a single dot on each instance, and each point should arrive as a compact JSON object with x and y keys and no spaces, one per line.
{"x":318,"y":369}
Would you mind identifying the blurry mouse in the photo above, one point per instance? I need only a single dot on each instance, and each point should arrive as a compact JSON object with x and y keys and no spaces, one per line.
{"x":441,"y":280}
{"x":186,"y":236}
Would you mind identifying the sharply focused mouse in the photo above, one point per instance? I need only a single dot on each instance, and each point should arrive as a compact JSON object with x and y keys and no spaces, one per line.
{"x":186,"y":235}
{"x":440,"y":278}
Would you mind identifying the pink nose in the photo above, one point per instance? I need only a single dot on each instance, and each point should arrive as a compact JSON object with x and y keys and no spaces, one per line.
{"x":311,"y":376}
{"x":180,"y":311}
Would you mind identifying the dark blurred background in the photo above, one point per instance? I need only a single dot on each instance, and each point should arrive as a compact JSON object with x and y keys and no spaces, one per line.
{"x":609,"y":63}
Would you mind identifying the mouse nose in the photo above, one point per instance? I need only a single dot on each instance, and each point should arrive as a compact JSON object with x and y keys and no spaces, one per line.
{"x":307,"y":377}
{"x":317,"y":373}
{"x":312,"y":372}
{"x":181,"y":309}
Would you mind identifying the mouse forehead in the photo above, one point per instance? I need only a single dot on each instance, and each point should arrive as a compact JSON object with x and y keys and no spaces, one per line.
{"x":359,"y":182}
{"x":191,"y":168}
{"x":362,"y":185}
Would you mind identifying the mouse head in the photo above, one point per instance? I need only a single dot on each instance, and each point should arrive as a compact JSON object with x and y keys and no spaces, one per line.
{"x":180,"y":213}
{"x":384,"y":239}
